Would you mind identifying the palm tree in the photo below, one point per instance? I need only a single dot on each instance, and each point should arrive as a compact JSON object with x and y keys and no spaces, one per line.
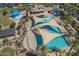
{"x":74,"y":46}
{"x":41,"y":51}
{"x":16,"y":50}
{"x":31,"y":53}
{"x":12,"y":25}
{"x":5,"y":41}
{"x":71,"y":49}
{"x":18,"y":27}
{"x":77,"y":26}
{"x":76,"y":53}
{"x":0,"y":26}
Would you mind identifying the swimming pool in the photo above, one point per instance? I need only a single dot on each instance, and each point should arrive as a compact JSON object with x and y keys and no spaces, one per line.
{"x":52,"y":29}
{"x":15,"y":13}
{"x":40,"y":23}
{"x":47,"y":19}
{"x":41,"y":16}
{"x":58,"y":43}
{"x":39,"y":39}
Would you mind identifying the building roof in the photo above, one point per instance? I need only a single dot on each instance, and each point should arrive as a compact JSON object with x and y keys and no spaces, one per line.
{"x":49,"y":9}
{"x":41,"y":8}
{"x":7,"y":32}
{"x":37,"y":10}
{"x":3,"y":5}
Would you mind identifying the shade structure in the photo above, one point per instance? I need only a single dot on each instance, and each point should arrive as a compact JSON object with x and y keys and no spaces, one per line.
{"x":48,"y":20}
{"x":53,"y":40}
{"x":15,"y":13}
{"x":47,"y":36}
{"x":39,"y":20}
{"x":36,"y":19}
{"x":53,"y":23}
{"x":58,"y":43}
{"x":52,"y":29}
{"x":51,"y":34}
{"x":50,"y":23}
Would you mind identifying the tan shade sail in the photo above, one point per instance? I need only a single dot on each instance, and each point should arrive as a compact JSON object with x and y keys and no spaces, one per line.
{"x":36,"y":19}
{"x":51,"y":23}
{"x":47,"y":36}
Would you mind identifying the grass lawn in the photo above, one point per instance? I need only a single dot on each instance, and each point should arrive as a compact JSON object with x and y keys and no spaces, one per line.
{"x":5,"y":21}
{"x":7,"y":52}
{"x":7,"y":9}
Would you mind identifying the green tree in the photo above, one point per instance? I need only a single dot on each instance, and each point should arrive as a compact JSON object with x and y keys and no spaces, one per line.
{"x":0,"y":26}
{"x":74,"y":46}
{"x":12,"y":25}
{"x":4,"y":12}
{"x":5,"y":41}
{"x":41,"y":51}
{"x":31,"y":53}
{"x":77,"y":26}
{"x":76,"y":53}
{"x":18,"y":27}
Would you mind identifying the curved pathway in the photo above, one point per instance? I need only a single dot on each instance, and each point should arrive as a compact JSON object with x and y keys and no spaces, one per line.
{"x":29,"y":41}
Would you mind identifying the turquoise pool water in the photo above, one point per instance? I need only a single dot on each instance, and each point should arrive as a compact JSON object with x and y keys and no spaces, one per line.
{"x":39,"y":23}
{"x":41,"y":16}
{"x":39,"y":39}
{"x":47,"y":19}
{"x":58,"y":43}
{"x":52,"y":29}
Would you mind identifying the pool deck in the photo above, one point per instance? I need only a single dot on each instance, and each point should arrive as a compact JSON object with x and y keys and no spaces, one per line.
{"x":37,"y":19}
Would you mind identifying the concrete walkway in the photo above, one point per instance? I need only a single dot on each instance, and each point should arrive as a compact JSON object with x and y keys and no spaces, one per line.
{"x":30,"y":39}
